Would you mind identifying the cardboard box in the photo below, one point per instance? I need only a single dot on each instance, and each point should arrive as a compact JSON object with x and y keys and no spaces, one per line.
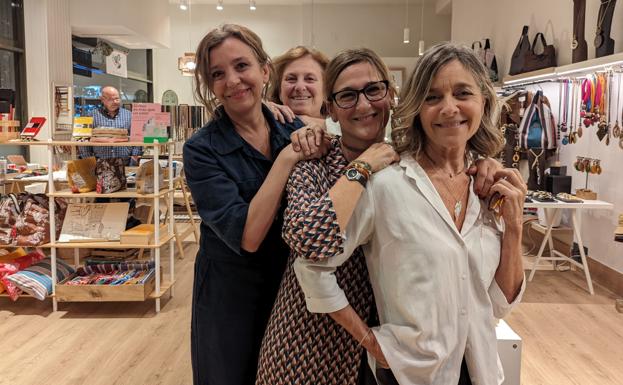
{"x":142,"y":234}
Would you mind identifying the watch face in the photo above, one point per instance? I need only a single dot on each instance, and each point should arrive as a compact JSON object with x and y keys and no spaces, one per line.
{"x":352,"y":174}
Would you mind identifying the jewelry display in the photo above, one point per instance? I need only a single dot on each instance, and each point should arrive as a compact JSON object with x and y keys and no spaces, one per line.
{"x":588,"y":166}
{"x":578,"y":43}
{"x":568,"y":198}
{"x":604,"y":45}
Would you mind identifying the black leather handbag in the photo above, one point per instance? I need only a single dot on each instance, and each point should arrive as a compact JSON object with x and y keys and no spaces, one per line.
{"x":519,"y":55}
{"x":536,"y":61}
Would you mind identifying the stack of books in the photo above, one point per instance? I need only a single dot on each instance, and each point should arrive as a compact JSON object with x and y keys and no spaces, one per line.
{"x":109,"y":135}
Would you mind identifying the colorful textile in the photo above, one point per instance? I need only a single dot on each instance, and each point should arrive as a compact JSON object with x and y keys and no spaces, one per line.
{"x":36,"y":280}
{"x":300,"y":347}
{"x":6,"y":269}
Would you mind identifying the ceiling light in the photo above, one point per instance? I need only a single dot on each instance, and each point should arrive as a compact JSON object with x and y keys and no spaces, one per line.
{"x":421,"y":42}
{"x":183,"y":5}
{"x":219,"y":5}
{"x":405,"y":31}
{"x":252,"y":5}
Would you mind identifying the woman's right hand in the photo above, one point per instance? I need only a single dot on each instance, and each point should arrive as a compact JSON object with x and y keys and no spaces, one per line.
{"x":375,"y":349}
{"x":379,"y":156}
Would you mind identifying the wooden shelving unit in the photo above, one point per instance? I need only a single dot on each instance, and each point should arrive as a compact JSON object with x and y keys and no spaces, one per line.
{"x":156,"y":288}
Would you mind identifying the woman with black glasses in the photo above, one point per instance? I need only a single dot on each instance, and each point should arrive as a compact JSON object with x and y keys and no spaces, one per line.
{"x":299,"y":346}
{"x":307,"y":348}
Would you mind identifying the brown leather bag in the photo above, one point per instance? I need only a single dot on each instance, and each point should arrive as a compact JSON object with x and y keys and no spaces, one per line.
{"x":519,"y":54}
{"x":536,"y":61}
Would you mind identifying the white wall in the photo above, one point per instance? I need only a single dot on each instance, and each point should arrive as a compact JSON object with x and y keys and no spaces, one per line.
{"x":330,"y":28}
{"x":48,"y":60}
{"x":132,"y":24}
{"x":502,"y":21}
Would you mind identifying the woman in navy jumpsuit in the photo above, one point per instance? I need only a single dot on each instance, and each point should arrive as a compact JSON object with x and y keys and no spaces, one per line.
{"x":236,"y":168}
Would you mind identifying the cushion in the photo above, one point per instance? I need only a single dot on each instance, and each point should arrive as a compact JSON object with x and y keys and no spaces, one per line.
{"x":36,"y":280}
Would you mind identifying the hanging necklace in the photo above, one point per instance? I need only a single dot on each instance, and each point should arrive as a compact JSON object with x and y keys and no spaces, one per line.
{"x":458,"y":205}
{"x":616,"y":130}
{"x":599,"y":37}
{"x":574,"y":42}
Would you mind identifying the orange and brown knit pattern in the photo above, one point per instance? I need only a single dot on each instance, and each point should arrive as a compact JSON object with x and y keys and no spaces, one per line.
{"x":299,"y":347}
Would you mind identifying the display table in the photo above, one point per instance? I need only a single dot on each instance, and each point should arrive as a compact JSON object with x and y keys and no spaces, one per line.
{"x":552,"y":217}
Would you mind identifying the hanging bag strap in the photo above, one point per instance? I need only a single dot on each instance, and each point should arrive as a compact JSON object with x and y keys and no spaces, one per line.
{"x":543,"y":41}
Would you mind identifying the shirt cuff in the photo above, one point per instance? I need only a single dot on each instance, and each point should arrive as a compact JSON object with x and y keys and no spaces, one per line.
{"x":501,"y":307}
{"x":327,"y":305}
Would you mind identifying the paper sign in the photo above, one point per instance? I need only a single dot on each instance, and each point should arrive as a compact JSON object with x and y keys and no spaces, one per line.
{"x":117,"y":64}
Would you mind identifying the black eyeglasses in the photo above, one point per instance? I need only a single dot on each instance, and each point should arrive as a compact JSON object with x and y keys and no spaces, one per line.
{"x":349,"y":98}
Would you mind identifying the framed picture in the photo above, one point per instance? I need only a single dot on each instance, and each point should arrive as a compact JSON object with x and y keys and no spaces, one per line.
{"x":63,"y":99}
{"x":397,"y":75}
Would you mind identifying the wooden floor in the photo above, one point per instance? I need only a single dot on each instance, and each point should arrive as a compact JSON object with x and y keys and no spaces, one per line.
{"x":569,"y":337}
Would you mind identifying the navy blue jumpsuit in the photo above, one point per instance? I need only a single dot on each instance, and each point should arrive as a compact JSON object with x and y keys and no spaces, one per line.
{"x":234,"y":290}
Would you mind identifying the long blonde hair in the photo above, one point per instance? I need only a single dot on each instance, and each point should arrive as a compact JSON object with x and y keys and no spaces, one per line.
{"x":408,"y":134}
{"x":213,"y":39}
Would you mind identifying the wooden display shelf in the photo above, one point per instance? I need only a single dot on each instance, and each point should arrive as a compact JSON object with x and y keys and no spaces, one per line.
{"x":108,"y":245}
{"x":116,"y":194}
{"x":81,"y":144}
{"x":103,"y":293}
{"x":109,"y":293}
{"x":164,"y":287}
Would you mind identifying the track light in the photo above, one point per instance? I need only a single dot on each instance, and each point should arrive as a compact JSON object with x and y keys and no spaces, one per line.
{"x":219,"y":5}
{"x":252,"y":6}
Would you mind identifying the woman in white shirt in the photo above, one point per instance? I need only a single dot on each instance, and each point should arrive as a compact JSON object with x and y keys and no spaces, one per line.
{"x":443,"y":264}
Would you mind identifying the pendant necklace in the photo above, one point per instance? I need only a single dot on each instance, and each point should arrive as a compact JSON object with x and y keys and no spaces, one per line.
{"x":458,"y":205}
{"x":599,"y":37}
{"x":616,"y":130}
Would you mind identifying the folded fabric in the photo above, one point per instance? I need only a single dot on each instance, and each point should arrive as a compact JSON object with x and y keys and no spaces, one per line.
{"x":7,"y":269}
{"x":112,"y":267}
{"x":36,"y":280}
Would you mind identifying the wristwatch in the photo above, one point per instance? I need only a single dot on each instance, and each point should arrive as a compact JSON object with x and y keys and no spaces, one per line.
{"x":353,"y":174}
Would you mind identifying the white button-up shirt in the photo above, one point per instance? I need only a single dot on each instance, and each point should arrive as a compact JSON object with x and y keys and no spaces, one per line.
{"x":434,"y":286}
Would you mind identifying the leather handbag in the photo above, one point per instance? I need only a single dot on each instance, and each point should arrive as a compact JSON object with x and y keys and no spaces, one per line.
{"x":519,"y":54}
{"x":536,"y":61}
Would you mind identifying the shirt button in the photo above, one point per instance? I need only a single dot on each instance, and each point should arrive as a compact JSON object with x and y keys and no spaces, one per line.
{"x":464,"y":277}
{"x":463,"y":311}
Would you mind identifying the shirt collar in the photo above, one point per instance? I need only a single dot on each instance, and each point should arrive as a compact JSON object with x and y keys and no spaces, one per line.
{"x":104,"y":112}
{"x":226,"y":140}
{"x":414,"y":171}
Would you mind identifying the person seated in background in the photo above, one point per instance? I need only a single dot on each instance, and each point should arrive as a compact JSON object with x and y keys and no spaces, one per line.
{"x":111,"y":114}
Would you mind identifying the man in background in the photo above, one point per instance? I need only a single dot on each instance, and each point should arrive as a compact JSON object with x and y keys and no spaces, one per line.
{"x":111,"y":114}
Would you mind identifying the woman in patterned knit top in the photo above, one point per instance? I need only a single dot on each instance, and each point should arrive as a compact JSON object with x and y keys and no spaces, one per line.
{"x":301,"y":347}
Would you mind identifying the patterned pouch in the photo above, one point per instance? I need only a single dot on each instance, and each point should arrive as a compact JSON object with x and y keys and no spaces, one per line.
{"x":110,"y":175}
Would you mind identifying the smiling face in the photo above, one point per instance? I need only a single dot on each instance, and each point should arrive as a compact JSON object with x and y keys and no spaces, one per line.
{"x":453,"y":108}
{"x":301,"y":87}
{"x":364,"y":123}
{"x":236,"y":76}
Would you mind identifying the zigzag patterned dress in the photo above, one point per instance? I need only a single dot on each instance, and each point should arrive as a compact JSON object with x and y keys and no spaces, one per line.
{"x":300,"y":347}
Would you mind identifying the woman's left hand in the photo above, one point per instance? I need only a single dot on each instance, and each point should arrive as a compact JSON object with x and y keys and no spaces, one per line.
{"x":485,"y":171}
{"x":282,"y":113}
{"x":507,"y":197}
{"x":308,"y":140}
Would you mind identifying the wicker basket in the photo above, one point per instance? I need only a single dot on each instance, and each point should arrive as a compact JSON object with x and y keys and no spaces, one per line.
{"x":585,"y":194}
{"x":9,"y":129}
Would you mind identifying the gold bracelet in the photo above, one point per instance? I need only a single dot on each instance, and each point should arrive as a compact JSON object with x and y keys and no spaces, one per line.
{"x":362,"y":164}
{"x":364,"y":338}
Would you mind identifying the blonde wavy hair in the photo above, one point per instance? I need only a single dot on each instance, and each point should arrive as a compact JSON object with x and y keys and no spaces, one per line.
{"x":407,"y":132}
{"x":214,"y":38}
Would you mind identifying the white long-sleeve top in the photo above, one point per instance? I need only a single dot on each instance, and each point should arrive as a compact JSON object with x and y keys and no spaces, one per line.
{"x":434,"y":286}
